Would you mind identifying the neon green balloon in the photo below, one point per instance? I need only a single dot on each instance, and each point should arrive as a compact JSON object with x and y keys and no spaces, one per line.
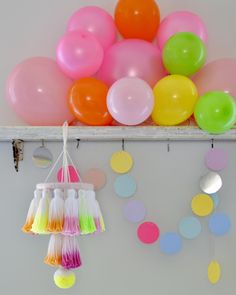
{"x":215,"y":112}
{"x":184,"y":54}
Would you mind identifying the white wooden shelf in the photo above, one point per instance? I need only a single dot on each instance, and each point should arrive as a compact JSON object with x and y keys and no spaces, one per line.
{"x":111,"y":133}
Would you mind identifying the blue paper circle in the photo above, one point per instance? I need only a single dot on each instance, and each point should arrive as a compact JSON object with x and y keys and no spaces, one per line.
{"x":219,"y":224}
{"x":216,"y":200}
{"x":190,"y":227}
{"x":170,"y":243}
{"x":125,"y":186}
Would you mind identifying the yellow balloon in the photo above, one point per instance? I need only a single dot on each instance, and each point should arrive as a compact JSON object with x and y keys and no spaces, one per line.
{"x":175,"y":99}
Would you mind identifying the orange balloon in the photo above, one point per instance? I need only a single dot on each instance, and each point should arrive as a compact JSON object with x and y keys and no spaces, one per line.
{"x":87,"y":102}
{"x":137,"y":19}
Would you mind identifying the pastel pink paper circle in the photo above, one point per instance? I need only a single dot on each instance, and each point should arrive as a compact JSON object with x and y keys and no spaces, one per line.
{"x":148,"y":232}
{"x":73,"y":175}
{"x":79,"y":54}
{"x":96,"y":21}
{"x":132,"y":58}
{"x":218,"y":75}
{"x":96,"y":177}
{"x":130,"y":101}
{"x":216,"y":159}
{"x":181,"y":21}
{"x":37,"y":92}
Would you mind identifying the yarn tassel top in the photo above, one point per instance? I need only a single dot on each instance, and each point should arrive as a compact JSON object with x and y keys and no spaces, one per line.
{"x":71,"y":226}
{"x":41,"y":218}
{"x":56,"y":213}
{"x":32,"y":212}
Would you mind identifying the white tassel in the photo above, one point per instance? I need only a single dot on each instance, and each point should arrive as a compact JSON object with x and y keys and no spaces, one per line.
{"x":32,"y":212}
{"x":56,"y":213}
{"x":70,"y":253}
{"x":71,"y":225}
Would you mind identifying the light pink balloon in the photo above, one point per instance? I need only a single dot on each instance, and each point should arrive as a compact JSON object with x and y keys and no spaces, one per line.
{"x":37,"y":91}
{"x":79,"y":54}
{"x":219,"y":75}
{"x":132,"y":58}
{"x":130,"y":101}
{"x":97,"y":21}
{"x":181,"y":21}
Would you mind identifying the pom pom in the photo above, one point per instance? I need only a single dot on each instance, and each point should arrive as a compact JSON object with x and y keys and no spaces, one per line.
{"x":32,"y":212}
{"x":54,"y":255}
{"x":41,"y":218}
{"x":86,"y":219}
{"x":64,"y":279}
{"x":56,"y":213}
{"x":71,"y":226}
{"x":70,"y":253}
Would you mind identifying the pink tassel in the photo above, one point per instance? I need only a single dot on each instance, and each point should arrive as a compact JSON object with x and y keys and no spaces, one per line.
{"x":71,"y":224}
{"x":70,"y":253}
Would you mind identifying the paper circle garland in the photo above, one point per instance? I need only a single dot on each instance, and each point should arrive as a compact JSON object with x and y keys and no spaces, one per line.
{"x":148,"y":232}
{"x":121,"y":162}
{"x":74,"y":175}
{"x":216,"y":200}
{"x":170,"y":243}
{"x":216,"y":159}
{"x":125,"y":186}
{"x":202,"y":205}
{"x":219,"y":224}
{"x":214,"y":272}
{"x":96,"y":177}
{"x":190,"y":227}
{"x":211,"y":183}
{"x":64,"y":279}
{"x":134,"y":211}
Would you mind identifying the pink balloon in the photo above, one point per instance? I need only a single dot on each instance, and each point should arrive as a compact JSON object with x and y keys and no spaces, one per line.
{"x":219,"y":75}
{"x":37,"y":91}
{"x":181,"y":21}
{"x":96,"y":21}
{"x":79,"y":54}
{"x":132,"y":58}
{"x":130,"y":101}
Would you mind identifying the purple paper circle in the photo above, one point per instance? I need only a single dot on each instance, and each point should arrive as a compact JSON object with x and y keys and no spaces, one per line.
{"x":216,"y":159}
{"x":135,"y":211}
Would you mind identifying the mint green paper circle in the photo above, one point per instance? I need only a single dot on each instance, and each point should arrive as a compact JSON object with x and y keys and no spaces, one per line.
{"x":190,"y":228}
{"x":125,"y":186}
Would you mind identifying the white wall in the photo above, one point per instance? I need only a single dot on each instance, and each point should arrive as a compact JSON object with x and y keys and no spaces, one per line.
{"x":115,"y":262}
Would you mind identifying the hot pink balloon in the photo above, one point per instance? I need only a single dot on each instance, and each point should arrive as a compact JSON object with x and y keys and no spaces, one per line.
{"x":219,"y":75}
{"x":96,"y":21}
{"x":132,"y":58}
{"x":181,"y":21}
{"x":79,"y":54}
{"x":37,"y":91}
{"x":130,"y":101}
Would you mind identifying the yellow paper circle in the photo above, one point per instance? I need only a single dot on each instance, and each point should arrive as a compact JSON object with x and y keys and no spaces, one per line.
{"x":121,"y":162}
{"x":214,"y":272}
{"x":202,"y":205}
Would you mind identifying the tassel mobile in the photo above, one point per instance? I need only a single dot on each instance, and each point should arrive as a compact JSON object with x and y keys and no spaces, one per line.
{"x":64,"y":210}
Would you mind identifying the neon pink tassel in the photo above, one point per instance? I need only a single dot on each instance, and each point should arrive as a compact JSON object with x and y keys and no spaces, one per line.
{"x":71,"y":224}
{"x":70,"y":253}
